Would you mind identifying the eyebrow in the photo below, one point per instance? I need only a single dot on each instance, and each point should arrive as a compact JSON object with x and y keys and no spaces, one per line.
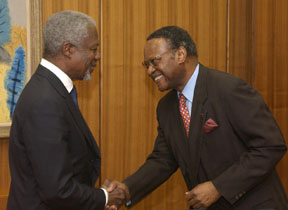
{"x":151,"y":57}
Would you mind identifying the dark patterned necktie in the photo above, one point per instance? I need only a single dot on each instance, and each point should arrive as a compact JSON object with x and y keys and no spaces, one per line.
{"x":73,"y":94}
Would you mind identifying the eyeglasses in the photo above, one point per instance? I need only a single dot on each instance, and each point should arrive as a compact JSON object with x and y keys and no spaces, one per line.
{"x":154,"y":61}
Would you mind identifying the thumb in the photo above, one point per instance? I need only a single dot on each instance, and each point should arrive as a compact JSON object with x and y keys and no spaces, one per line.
{"x":107,"y":182}
{"x":111,"y":186}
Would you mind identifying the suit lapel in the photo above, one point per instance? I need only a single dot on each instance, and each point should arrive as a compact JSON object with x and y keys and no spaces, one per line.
{"x":75,"y":112}
{"x":180,"y":137}
{"x":198,"y":116}
{"x":178,"y":116}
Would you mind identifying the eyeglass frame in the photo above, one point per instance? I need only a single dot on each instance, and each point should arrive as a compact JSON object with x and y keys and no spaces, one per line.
{"x":157,"y":58}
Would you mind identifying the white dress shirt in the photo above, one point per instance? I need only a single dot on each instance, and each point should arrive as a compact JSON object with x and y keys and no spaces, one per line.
{"x":188,"y":90}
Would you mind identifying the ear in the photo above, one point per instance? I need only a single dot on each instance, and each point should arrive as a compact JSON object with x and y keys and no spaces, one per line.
{"x":181,"y":55}
{"x":67,"y":49}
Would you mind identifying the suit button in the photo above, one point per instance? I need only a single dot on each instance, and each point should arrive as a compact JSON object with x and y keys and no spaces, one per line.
{"x":92,"y":160}
{"x":237,"y":197}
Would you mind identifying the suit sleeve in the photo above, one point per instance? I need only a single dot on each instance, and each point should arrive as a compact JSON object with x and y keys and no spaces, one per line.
{"x":45,"y":131}
{"x":256,"y":128}
{"x":159,"y":166}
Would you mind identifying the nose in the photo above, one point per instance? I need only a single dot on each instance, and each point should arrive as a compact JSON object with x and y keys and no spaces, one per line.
{"x":97,"y":56}
{"x":150,"y":70}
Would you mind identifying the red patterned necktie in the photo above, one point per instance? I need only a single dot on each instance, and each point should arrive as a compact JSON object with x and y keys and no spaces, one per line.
{"x":184,"y":112}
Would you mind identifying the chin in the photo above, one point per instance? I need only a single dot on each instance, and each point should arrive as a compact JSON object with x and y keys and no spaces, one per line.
{"x":162,"y":89}
{"x":87,"y":76}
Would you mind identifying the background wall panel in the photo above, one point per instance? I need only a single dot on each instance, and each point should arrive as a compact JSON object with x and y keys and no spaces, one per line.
{"x":258,"y":42}
{"x":4,"y":173}
{"x":240,"y":40}
{"x":271,"y":66}
{"x":246,"y":38}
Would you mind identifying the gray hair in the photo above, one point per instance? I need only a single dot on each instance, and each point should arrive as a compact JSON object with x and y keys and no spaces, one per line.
{"x":65,"y":26}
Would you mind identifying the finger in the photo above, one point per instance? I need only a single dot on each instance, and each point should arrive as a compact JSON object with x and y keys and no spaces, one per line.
{"x":112,"y":186}
{"x":122,"y":193}
{"x":198,"y":206}
{"x":126,"y":190}
{"x":113,"y":207}
{"x":108,"y":207}
{"x":120,"y":197}
{"x":117,"y":197}
{"x":193,"y":202}
{"x":107,"y":182}
{"x":189,"y":195}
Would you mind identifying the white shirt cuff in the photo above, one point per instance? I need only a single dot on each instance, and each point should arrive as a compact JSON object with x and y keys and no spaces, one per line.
{"x":106,"y":195}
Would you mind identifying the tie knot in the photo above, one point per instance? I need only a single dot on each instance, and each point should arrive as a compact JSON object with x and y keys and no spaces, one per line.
{"x":182,"y":98}
{"x":73,"y":92}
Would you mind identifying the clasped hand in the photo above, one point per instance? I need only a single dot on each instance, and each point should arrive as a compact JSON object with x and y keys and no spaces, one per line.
{"x":202,"y":196}
{"x":118,"y":194}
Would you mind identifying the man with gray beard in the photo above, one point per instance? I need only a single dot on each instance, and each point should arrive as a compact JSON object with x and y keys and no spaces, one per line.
{"x":54,"y":159}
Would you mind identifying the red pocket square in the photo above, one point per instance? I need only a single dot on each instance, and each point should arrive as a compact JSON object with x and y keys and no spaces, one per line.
{"x":210,"y":125}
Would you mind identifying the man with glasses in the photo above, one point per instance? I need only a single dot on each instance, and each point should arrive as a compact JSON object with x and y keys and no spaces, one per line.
{"x":213,"y":126}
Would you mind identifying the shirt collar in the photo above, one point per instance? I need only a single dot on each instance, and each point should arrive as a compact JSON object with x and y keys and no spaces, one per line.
{"x":64,"y":78}
{"x":189,"y":88}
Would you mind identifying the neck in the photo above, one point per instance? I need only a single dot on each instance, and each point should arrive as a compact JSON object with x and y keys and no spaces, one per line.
{"x":190,"y":65}
{"x":59,"y":62}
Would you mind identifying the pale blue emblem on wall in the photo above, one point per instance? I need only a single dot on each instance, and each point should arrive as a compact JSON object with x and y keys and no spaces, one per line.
{"x":15,"y":79}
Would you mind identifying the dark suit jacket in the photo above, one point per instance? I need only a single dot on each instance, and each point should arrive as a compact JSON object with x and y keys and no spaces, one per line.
{"x":54,"y":160}
{"x":238,"y":157}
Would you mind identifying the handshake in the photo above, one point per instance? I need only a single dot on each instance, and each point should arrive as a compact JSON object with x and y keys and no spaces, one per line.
{"x":118,"y":194}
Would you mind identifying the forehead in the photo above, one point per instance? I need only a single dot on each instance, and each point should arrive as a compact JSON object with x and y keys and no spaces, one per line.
{"x":155,"y":47}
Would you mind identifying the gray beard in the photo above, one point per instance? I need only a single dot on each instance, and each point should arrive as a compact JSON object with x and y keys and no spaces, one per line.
{"x":87,"y":75}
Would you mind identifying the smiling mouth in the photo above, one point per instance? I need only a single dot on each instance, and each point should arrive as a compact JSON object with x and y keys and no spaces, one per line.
{"x":158,"y":78}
